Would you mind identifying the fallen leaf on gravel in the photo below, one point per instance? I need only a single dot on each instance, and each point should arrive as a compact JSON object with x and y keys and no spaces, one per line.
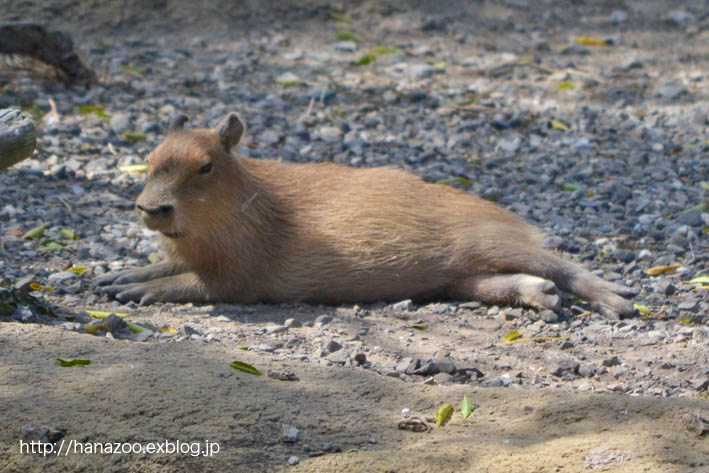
{"x":136,"y":71}
{"x":78,"y":270}
{"x":557,"y":125}
{"x":444,"y":414}
{"x":134,"y":168}
{"x":73,"y":361}
{"x":455,"y":180}
{"x":50,"y":245}
{"x":97,"y":110}
{"x":568,"y":187}
{"x":245,"y":367}
{"x":374,"y":53}
{"x":513,"y":335}
{"x":69,"y":234}
{"x":643,"y":309}
{"x":100,"y":315}
{"x":655,"y":270}
{"x":591,"y":41}
{"x":35,"y":233}
{"x":345,"y":36}
{"x":700,"y":280}
{"x":288,"y":79}
{"x":467,"y":407}
{"x":135,"y":137}
{"x":168,"y":330}
{"x":533,"y":339}
{"x":35,"y":286}
{"x":566,"y":85}
{"x":340,"y":17}
{"x":419,"y":327}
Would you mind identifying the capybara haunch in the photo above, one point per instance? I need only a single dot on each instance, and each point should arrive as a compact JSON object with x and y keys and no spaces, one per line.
{"x":244,"y":230}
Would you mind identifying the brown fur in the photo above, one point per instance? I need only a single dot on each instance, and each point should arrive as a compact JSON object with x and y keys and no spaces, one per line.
{"x":263,"y":230}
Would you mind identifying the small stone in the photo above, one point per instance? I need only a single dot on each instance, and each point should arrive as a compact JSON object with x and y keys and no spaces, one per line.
{"x":360,"y":358}
{"x":292,"y":323}
{"x":323,"y":320}
{"x":328,"y":447}
{"x":585,"y":386}
{"x":619,"y":16}
{"x":612,"y":361}
{"x":346,"y":46}
{"x":405,"y":412}
{"x":293,"y":460}
{"x":189,"y":330}
{"x":443,"y":378}
{"x":272,"y":329}
{"x":23,"y":283}
{"x":340,"y":357}
{"x":696,"y":423}
{"x":688,"y":305}
{"x":41,"y":433}
{"x":512,"y":314}
{"x":565,"y":367}
{"x":330,"y":134}
{"x":666,"y":287}
{"x":445,"y":365}
{"x":701,"y":383}
{"x":679,"y":16}
{"x":549,"y":316}
{"x":60,"y":277}
{"x":290,"y":434}
{"x":693,"y":218}
{"x":120,"y":122}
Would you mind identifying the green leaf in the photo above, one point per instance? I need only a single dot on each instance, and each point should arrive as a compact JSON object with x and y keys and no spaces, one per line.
{"x":568,"y":187}
{"x":444,"y":414}
{"x":419,"y":327}
{"x":557,"y":125}
{"x":35,"y":233}
{"x":134,"y":168}
{"x":699,"y":280}
{"x":366,"y":59}
{"x":374,"y":53}
{"x":69,"y":234}
{"x":32,"y":109}
{"x":467,"y":407}
{"x":288,"y":79}
{"x":135,"y":137}
{"x":100,"y":315}
{"x":50,"y":245}
{"x":97,"y":110}
{"x":455,"y":180}
{"x":512,"y":336}
{"x":643,"y":309}
{"x":340,"y":17}
{"x":73,"y":362}
{"x":136,"y":71}
{"x":345,"y":36}
{"x":246,"y":368}
{"x":566,"y":85}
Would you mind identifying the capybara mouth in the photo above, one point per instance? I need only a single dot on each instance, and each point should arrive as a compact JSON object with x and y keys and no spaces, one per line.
{"x":173,"y":234}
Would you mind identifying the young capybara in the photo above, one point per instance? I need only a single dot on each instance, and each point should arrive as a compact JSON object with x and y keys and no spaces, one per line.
{"x":244,"y":230}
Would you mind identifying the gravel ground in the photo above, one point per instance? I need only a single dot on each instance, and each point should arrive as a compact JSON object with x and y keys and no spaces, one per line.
{"x":603,"y":146}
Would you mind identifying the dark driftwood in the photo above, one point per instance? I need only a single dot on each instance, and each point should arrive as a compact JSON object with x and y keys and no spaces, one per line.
{"x":17,"y":137}
{"x":51,"y":47}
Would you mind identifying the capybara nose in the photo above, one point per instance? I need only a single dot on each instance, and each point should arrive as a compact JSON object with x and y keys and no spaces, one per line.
{"x":160,"y":211}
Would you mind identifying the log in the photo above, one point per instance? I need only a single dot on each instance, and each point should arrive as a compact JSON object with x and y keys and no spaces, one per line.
{"x":51,"y":47}
{"x":18,"y":137}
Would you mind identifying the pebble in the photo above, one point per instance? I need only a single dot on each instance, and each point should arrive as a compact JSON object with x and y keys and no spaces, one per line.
{"x":290,"y":433}
{"x":293,"y":460}
{"x":61,"y":277}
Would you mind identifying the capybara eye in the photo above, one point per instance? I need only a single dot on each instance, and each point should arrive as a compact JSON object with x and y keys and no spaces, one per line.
{"x":206,"y":168}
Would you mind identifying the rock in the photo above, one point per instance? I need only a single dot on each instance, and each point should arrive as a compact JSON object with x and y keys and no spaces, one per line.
{"x":585,"y":386}
{"x":693,"y":218}
{"x":666,"y":287}
{"x":701,"y":383}
{"x":23,"y":284}
{"x":443,"y":378}
{"x":120,"y":122}
{"x":292,"y":323}
{"x":512,"y":314}
{"x":360,"y":358}
{"x":678,"y":17}
{"x":403,"y":306}
{"x":549,"y":316}
{"x":670,"y":91}
{"x":612,"y":361}
{"x":273,"y":329}
{"x":696,"y":423}
{"x":564,"y":367}
{"x":445,"y":365}
{"x":293,"y":460}
{"x":421,"y":71}
{"x":340,"y":357}
{"x":322,"y":320}
{"x":328,"y":447}
{"x":625,"y":256}
{"x":41,"y":433}
{"x":290,"y":434}
{"x":619,"y":16}
{"x":332,"y":346}
{"x":605,"y":458}
{"x":346,"y":46}
{"x":61,"y":277}
{"x":330,"y":134}
{"x":688,"y":305}
{"x":189,"y":330}
{"x":428,"y":368}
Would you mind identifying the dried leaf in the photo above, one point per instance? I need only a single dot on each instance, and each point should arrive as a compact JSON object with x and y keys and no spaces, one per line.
{"x":246,"y":368}
{"x":35,"y":286}
{"x":168,"y":330}
{"x":467,"y":407}
{"x":73,"y":362}
{"x":655,"y":270}
{"x":69,"y":234}
{"x":135,"y":137}
{"x":643,"y":309}
{"x":513,"y":335}
{"x":444,"y":414}
{"x":134,"y":168}
{"x":419,"y":327}
{"x":591,"y":41}
{"x":557,"y":125}
{"x":35,"y":233}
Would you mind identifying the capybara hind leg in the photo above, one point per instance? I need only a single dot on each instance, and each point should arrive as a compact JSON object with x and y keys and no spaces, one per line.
{"x":521,"y":289}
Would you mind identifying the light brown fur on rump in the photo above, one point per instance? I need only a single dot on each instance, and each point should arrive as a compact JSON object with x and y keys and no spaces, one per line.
{"x":264,"y":230}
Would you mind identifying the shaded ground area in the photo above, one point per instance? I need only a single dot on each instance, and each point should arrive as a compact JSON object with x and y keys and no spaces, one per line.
{"x":602,"y":142}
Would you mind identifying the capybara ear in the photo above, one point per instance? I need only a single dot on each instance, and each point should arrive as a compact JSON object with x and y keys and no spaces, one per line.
{"x":230,"y":130}
{"x":178,"y":122}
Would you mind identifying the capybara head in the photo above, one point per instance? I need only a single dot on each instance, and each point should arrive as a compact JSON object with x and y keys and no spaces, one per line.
{"x":191,"y":174}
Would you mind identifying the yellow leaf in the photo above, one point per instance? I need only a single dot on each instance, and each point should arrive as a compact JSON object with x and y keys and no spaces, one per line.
{"x":557,"y":125}
{"x":643,"y":309}
{"x":78,"y":270}
{"x":69,"y":234}
{"x":134,"y":168}
{"x":443,"y":414}
{"x":467,"y":407}
{"x":591,"y":41}
{"x":655,"y":270}
{"x":101,"y":314}
{"x":700,"y":280}
{"x":35,"y":286}
{"x":512,"y":336}
{"x":566,"y":85}
{"x":168,"y":330}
